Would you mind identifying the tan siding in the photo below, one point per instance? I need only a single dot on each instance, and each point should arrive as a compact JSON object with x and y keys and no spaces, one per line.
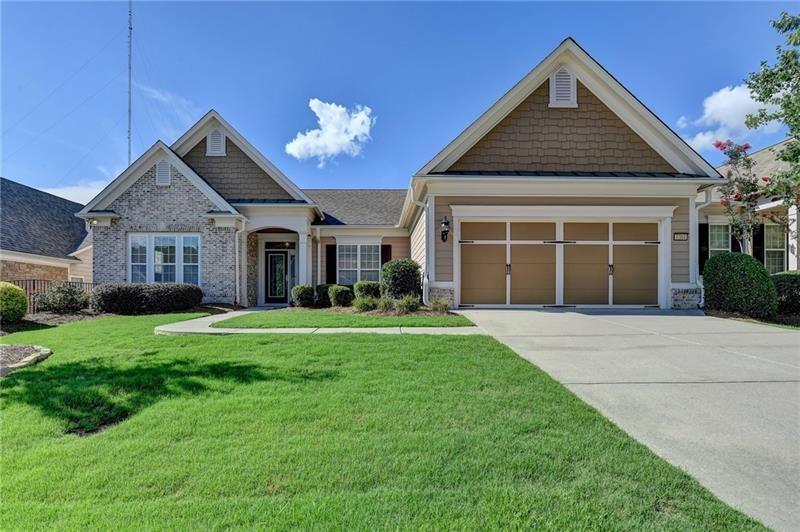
{"x":680,"y":223}
{"x":417,"y":241}
{"x":84,"y":268}
{"x":401,"y":246}
{"x":535,"y":137}
{"x":234,"y":175}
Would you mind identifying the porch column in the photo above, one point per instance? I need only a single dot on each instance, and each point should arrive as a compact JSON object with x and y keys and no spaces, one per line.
{"x":302,"y":259}
{"x":794,"y":239}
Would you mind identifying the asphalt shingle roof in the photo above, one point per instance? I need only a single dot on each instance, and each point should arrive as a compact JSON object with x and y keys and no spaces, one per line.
{"x":765,"y":160}
{"x":32,"y":221}
{"x":359,"y":206}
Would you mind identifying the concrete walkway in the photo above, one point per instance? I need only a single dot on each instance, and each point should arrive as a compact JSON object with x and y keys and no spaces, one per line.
{"x":203,"y":326}
{"x":718,"y":398}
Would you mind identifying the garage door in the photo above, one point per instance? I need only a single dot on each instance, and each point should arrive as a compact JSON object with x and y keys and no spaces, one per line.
{"x":591,"y":263}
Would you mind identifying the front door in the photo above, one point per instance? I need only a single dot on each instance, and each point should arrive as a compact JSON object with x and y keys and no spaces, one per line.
{"x":277,"y":277}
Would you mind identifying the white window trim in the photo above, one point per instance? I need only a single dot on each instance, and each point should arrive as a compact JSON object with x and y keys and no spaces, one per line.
{"x":573,"y":89}
{"x":150,"y":264}
{"x":210,"y":153}
{"x":358,"y":269}
{"x":81,"y":277}
{"x":782,"y":249}
{"x":710,"y":249}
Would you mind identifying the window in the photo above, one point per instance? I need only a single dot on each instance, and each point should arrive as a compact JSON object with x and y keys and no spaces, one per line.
{"x":774,"y":248}
{"x":563,"y":89}
{"x":75,"y":279}
{"x":164,"y":258}
{"x":358,"y":262}
{"x":215,"y":143}
{"x":163,"y":171}
{"x":719,"y":239}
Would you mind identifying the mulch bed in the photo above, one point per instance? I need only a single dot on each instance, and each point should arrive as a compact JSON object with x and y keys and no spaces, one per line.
{"x":44,"y":320}
{"x":350,"y":310}
{"x":11,"y":354}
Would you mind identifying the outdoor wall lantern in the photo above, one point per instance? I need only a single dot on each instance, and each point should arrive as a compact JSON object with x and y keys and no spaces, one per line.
{"x":445,"y":228}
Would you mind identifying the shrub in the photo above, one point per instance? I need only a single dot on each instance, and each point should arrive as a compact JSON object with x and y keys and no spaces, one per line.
{"x":13,"y":302}
{"x":407,"y":304}
{"x":386,"y":304}
{"x":63,"y":299}
{"x":322,"y":295}
{"x":303,"y":295}
{"x":367,"y":289}
{"x":400,"y":277}
{"x":440,"y":305}
{"x":144,"y":298}
{"x":787,"y":286}
{"x":738,"y":283}
{"x":340,"y":296}
{"x":365,"y":303}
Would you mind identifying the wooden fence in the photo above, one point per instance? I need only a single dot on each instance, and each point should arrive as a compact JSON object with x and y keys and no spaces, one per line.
{"x":33,"y":287}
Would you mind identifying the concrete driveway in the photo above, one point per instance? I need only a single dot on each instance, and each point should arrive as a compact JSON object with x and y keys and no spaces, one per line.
{"x":718,"y":398}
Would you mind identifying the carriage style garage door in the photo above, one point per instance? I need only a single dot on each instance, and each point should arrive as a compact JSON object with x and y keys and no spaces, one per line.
{"x":559,"y":263}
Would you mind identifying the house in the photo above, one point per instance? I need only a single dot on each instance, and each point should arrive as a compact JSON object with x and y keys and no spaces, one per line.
{"x":566,"y":191}
{"x":772,"y":246}
{"x":40,"y":238}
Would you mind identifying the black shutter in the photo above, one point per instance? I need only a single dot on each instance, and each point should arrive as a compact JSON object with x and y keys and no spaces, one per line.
{"x":386,"y":253}
{"x":758,"y":243}
{"x":330,"y":264}
{"x":702,"y":245}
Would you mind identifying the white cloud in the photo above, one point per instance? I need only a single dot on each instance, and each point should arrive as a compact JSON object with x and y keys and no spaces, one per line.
{"x":340,"y":131}
{"x":682,"y":122}
{"x":172,"y":115}
{"x":724,"y":113}
{"x":81,"y":192}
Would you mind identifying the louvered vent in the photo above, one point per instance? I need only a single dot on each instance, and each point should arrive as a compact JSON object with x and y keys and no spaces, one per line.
{"x":163,"y":177}
{"x":215,"y":143}
{"x":562,"y":89}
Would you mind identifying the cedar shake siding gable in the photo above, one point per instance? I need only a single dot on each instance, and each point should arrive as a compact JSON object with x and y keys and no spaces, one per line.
{"x":234,"y":175}
{"x":535,"y":137}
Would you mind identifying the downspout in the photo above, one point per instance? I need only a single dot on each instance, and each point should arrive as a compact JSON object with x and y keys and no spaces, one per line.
{"x":236,"y":246}
{"x":698,"y":278}
{"x":424,"y":207}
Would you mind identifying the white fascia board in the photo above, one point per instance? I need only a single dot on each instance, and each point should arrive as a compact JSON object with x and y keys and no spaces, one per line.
{"x":32,"y":258}
{"x":213,"y":119}
{"x":665,"y":141}
{"x":770,"y":205}
{"x":82,"y":250}
{"x":572,"y":212}
{"x":149,"y":158}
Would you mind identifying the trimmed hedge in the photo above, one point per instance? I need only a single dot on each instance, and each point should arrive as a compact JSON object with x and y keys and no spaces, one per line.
{"x":365,"y":303}
{"x":145,"y":298}
{"x":367,"y":289}
{"x":63,"y":299}
{"x":13,"y":302}
{"x":303,"y":295}
{"x":322,"y":295}
{"x":340,"y":296}
{"x":738,"y":283}
{"x":400,"y":277}
{"x":787,"y":286}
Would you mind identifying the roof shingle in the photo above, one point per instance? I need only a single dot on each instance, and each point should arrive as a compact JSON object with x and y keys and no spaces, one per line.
{"x":359,"y":206}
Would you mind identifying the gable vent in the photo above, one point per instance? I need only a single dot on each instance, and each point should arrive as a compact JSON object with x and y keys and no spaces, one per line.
{"x":215,"y":143}
{"x":163,"y":173}
{"x":563,"y":89}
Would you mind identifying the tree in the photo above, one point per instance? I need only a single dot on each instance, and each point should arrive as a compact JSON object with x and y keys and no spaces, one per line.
{"x":740,"y":193}
{"x":778,"y":88}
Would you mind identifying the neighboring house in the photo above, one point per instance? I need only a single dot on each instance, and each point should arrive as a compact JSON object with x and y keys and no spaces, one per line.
{"x":40,"y":238}
{"x":566,"y":191}
{"x":774,"y":247}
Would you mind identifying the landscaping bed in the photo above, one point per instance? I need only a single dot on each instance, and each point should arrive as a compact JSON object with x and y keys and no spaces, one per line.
{"x":341,"y":317}
{"x":351,"y":431}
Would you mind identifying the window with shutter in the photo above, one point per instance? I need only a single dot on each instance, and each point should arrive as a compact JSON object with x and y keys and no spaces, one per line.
{"x":163,"y":173}
{"x":215,"y":143}
{"x":563,"y":89}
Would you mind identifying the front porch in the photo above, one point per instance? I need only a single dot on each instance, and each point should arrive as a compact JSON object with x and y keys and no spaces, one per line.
{"x":277,"y":260}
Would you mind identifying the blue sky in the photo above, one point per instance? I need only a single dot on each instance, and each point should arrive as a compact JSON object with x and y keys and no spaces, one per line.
{"x":424,"y":71}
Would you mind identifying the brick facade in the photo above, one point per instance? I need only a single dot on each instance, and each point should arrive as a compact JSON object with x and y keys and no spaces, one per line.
{"x":178,"y":208}
{"x":13,"y":271}
{"x":686,"y":298}
{"x":234,"y":175}
{"x":536,"y":137}
{"x":448,"y":294}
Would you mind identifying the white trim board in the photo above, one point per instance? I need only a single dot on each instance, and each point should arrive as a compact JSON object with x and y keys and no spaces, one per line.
{"x":561,"y":212}
{"x":32,"y":258}
{"x":592,"y":75}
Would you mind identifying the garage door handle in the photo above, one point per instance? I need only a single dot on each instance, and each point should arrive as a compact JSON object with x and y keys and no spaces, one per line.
{"x":610,"y":269}
{"x":652,"y":242}
{"x":508,"y":269}
{"x":559,"y":241}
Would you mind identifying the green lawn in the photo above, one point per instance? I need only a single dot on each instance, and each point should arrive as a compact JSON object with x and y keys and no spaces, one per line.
{"x":325,"y":432}
{"x":297,"y":317}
